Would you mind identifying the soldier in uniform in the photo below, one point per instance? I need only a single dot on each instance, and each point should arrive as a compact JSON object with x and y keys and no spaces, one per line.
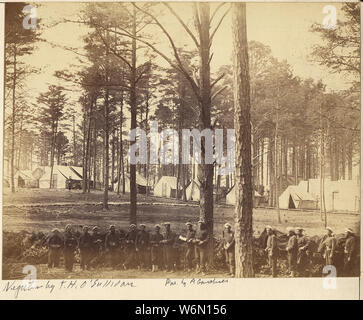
{"x":55,"y":245}
{"x":202,"y":238}
{"x":349,"y":250}
{"x":329,"y":246}
{"x":156,"y":249}
{"x":70,"y":245}
{"x":169,"y":250}
{"x":85,"y":248}
{"x":272,"y":250}
{"x":112,"y":245}
{"x":130,"y":247}
{"x":302,"y":256}
{"x":190,"y":252}
{"x":292,"y":249}
{"x":97,"y":244}
{"x":142,"y":247}
{"x":228,"y":239}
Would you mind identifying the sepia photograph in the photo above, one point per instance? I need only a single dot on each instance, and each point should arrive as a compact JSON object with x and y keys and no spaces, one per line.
{"x":181,"y":140}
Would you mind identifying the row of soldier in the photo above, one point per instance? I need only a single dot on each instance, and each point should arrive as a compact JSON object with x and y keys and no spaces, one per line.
{"x":141,"y":248}
{"x":297,"y":250}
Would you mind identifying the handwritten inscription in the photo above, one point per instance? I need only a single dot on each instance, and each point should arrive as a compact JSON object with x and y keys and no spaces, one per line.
{"x":16,"y":287}
{"x":193,"y":281}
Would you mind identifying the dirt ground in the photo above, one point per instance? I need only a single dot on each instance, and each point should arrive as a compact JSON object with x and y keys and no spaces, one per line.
{"x":42,"y":210}
{"x":14,"y":271}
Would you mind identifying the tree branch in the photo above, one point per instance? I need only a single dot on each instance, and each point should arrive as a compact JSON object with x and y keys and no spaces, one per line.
{"x":182,"y":23}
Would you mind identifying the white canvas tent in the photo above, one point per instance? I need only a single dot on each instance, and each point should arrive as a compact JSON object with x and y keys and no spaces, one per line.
{"x":341,"y":195}
{"x":166,"y":187}
{"x":294,"y":197}
{"x":141,"y":183}
{"x":193,"y":191}
{"x":24,"y":179}
{"x":60,"y":176}
{"x":231,"y":198}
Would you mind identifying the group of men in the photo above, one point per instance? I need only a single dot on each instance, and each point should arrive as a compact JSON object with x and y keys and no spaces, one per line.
{"x":297,"y":250}
{"x":142,"y":249}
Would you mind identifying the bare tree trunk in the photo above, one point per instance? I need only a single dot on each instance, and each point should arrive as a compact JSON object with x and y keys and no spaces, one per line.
{"x":95,"y":157}
{"x":106,"y":147}
{"x":74,"y":142}
{"x":205,"y":171}
{"x":113,"y":163}
{"x":133,"y":104}
{"x":242,"y":125}
{"x":12,"y":171}
{"x":271,"y":174}
{"x":54,"y":134}
{"x":277,"y":178}
{"x":87,"y":147}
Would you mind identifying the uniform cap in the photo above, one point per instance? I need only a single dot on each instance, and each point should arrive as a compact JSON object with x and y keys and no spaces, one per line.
{"x":55,"y":230}
{"x":330,"y":229}
{"x":227,"y":225}
{"x":95,"y":228}
{"x":85,"y":227}
{"x":288,"y":229}
{"x":157,"y":226}
{"x":188,"y":223}
{"x":68,"y":226}
{"x":166,"y":223}
{"x":348,"y":230}
{"x":141,"y":225}
{"x":299,"y":229}
{"x":268,"y":228}
{"x":201,"y":221}
{"x":112,"y":226}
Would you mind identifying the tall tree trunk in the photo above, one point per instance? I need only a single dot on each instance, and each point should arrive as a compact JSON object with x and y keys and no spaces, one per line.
{"x":87,"y":146}
{"x":262,"y":157}
{"x":350,"y":160}
{"x":205,"y":171}
{"x":74,"y":142}
{"x":133,"y":104}
{"x":95,"y":157}
{"x":120,"y":161}
{"x":242,"y":125}
{"x":54,"y":134}
{"x":271,"y":199}
{"x":113,"y":162}
{"x":12,"y":171}
{"x":343,"y":157}
{"x":106,"y":148}
{"x":277,"y":178}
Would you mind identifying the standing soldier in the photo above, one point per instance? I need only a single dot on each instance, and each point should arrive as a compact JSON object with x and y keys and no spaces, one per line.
{"x":55,"y":244}
{"x":272,"y":250}
{"x":169,"y":250}
{"x":328,"y":245}
{"x":228,"y":238}
{"x":292,"y":249}
{"x":142,"y":247}
{"x":70,"y":245}
{"x":201,"y":241}
{"x":302,"y":256}
{"x":85,"y":248}
{"x":112,"y":245}
{"x":349,"y":250}
{"x":97,"y":244}
{"x":130,"y":248}
{"x":190,"y":252}
{"x":156,"y":249}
